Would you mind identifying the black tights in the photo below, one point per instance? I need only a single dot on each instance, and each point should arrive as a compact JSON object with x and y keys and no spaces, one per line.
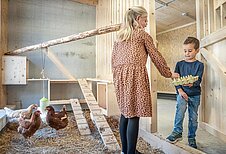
{"x":129,"y":128}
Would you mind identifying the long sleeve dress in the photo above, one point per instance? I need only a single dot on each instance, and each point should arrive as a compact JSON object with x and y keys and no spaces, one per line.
{"x":130,"y":75}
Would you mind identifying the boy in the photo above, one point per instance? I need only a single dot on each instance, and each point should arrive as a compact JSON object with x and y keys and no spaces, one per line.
{"x":188,"y":95}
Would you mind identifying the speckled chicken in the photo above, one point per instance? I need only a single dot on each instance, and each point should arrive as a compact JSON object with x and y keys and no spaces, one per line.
{"x":25,"y":113}
{"x":28,"y":127}
{"x":57,"y":120}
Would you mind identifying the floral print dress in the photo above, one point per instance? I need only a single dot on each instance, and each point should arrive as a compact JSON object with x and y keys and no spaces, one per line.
{"x":130,"y":73}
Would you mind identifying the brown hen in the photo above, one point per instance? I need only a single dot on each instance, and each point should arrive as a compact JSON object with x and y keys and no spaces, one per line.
{"x":57,"y":120}
{"x":27,"y":127}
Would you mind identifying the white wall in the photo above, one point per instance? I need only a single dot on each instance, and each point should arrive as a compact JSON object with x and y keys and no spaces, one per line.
{"x":35,"y":21}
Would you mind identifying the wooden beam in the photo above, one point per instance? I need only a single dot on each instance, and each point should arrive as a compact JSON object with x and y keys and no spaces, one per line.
{"x":88,"y":2}
{"x":213,"y":131}
{"x":75,"y":37}
{"x":214,"y":37}
{"x":199,"y":22}
{"x":211,"y":16}
{"x":215,"y":64}
{"x":157,"y":141}
{"x":219,"y":3}
{"x":176,"y":28}
{"x":204,"y":18}
{"x":221,"y":16}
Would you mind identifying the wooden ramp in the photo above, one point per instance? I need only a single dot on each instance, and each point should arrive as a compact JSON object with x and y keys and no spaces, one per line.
{"x":83,"y":126}
{"x":98,"y":118}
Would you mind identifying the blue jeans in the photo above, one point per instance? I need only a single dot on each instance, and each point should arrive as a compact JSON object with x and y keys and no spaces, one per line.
{"x":181,"y":107}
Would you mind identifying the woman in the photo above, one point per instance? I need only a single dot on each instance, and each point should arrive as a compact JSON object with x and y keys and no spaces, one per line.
{"x":130,"y":76}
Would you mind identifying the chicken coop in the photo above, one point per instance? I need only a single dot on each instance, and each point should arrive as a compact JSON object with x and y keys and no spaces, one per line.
{"x":61,"y":50}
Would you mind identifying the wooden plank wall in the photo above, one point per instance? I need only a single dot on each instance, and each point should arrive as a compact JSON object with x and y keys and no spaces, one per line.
{"x":212,"y":33}
{"x":172,"y":42}
{"x":112,"y":12}
{"x":3,"y":44}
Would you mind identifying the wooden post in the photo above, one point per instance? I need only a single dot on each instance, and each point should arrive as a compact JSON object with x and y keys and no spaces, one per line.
{"x":210,"y":16}
{"x":3,"y":44}
{"x":153,"y":70}
{"x":199,"y":35}
{"x":199,"y":22}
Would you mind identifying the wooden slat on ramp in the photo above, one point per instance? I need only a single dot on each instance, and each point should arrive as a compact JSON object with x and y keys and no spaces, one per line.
{"x":83,"y":126}
{"x":100,"y":121}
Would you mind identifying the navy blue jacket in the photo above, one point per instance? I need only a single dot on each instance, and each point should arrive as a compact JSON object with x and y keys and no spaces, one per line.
{"x":195,"y":68}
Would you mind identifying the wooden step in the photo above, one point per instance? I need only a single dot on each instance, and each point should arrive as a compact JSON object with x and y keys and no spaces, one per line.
{"x":83,"y":126}
{"x":98,"y":118}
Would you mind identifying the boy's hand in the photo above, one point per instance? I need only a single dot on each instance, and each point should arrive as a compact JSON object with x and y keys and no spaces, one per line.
{"x":175,"y":75}
{"x":183,"y":94}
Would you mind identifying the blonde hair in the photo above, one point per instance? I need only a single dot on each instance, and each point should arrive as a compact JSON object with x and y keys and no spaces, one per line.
{"x":130,"y":22}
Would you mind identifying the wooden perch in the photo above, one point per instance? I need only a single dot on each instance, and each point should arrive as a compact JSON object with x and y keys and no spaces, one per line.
{"x":98,"y":31}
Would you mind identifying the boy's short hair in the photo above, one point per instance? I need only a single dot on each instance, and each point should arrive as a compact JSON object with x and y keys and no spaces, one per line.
{"x":192,"y":40}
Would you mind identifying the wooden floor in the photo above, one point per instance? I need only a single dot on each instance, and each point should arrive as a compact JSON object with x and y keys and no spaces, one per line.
{"x":206,"y":142}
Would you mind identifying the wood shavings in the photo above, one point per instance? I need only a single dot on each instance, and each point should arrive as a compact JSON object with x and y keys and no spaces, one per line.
{"x":68,"y":140}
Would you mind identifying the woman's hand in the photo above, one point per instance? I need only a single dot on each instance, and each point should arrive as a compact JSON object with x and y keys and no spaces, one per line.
{"x":175,"y":75}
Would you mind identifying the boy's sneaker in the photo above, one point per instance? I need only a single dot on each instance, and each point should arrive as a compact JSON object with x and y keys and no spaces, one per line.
{"x":192,"y":143}
{"x":174,"y":137}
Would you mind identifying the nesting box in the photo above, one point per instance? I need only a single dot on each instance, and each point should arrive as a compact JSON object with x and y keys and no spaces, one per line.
{"x":106,"y":99}
{"x":14,"y":70}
